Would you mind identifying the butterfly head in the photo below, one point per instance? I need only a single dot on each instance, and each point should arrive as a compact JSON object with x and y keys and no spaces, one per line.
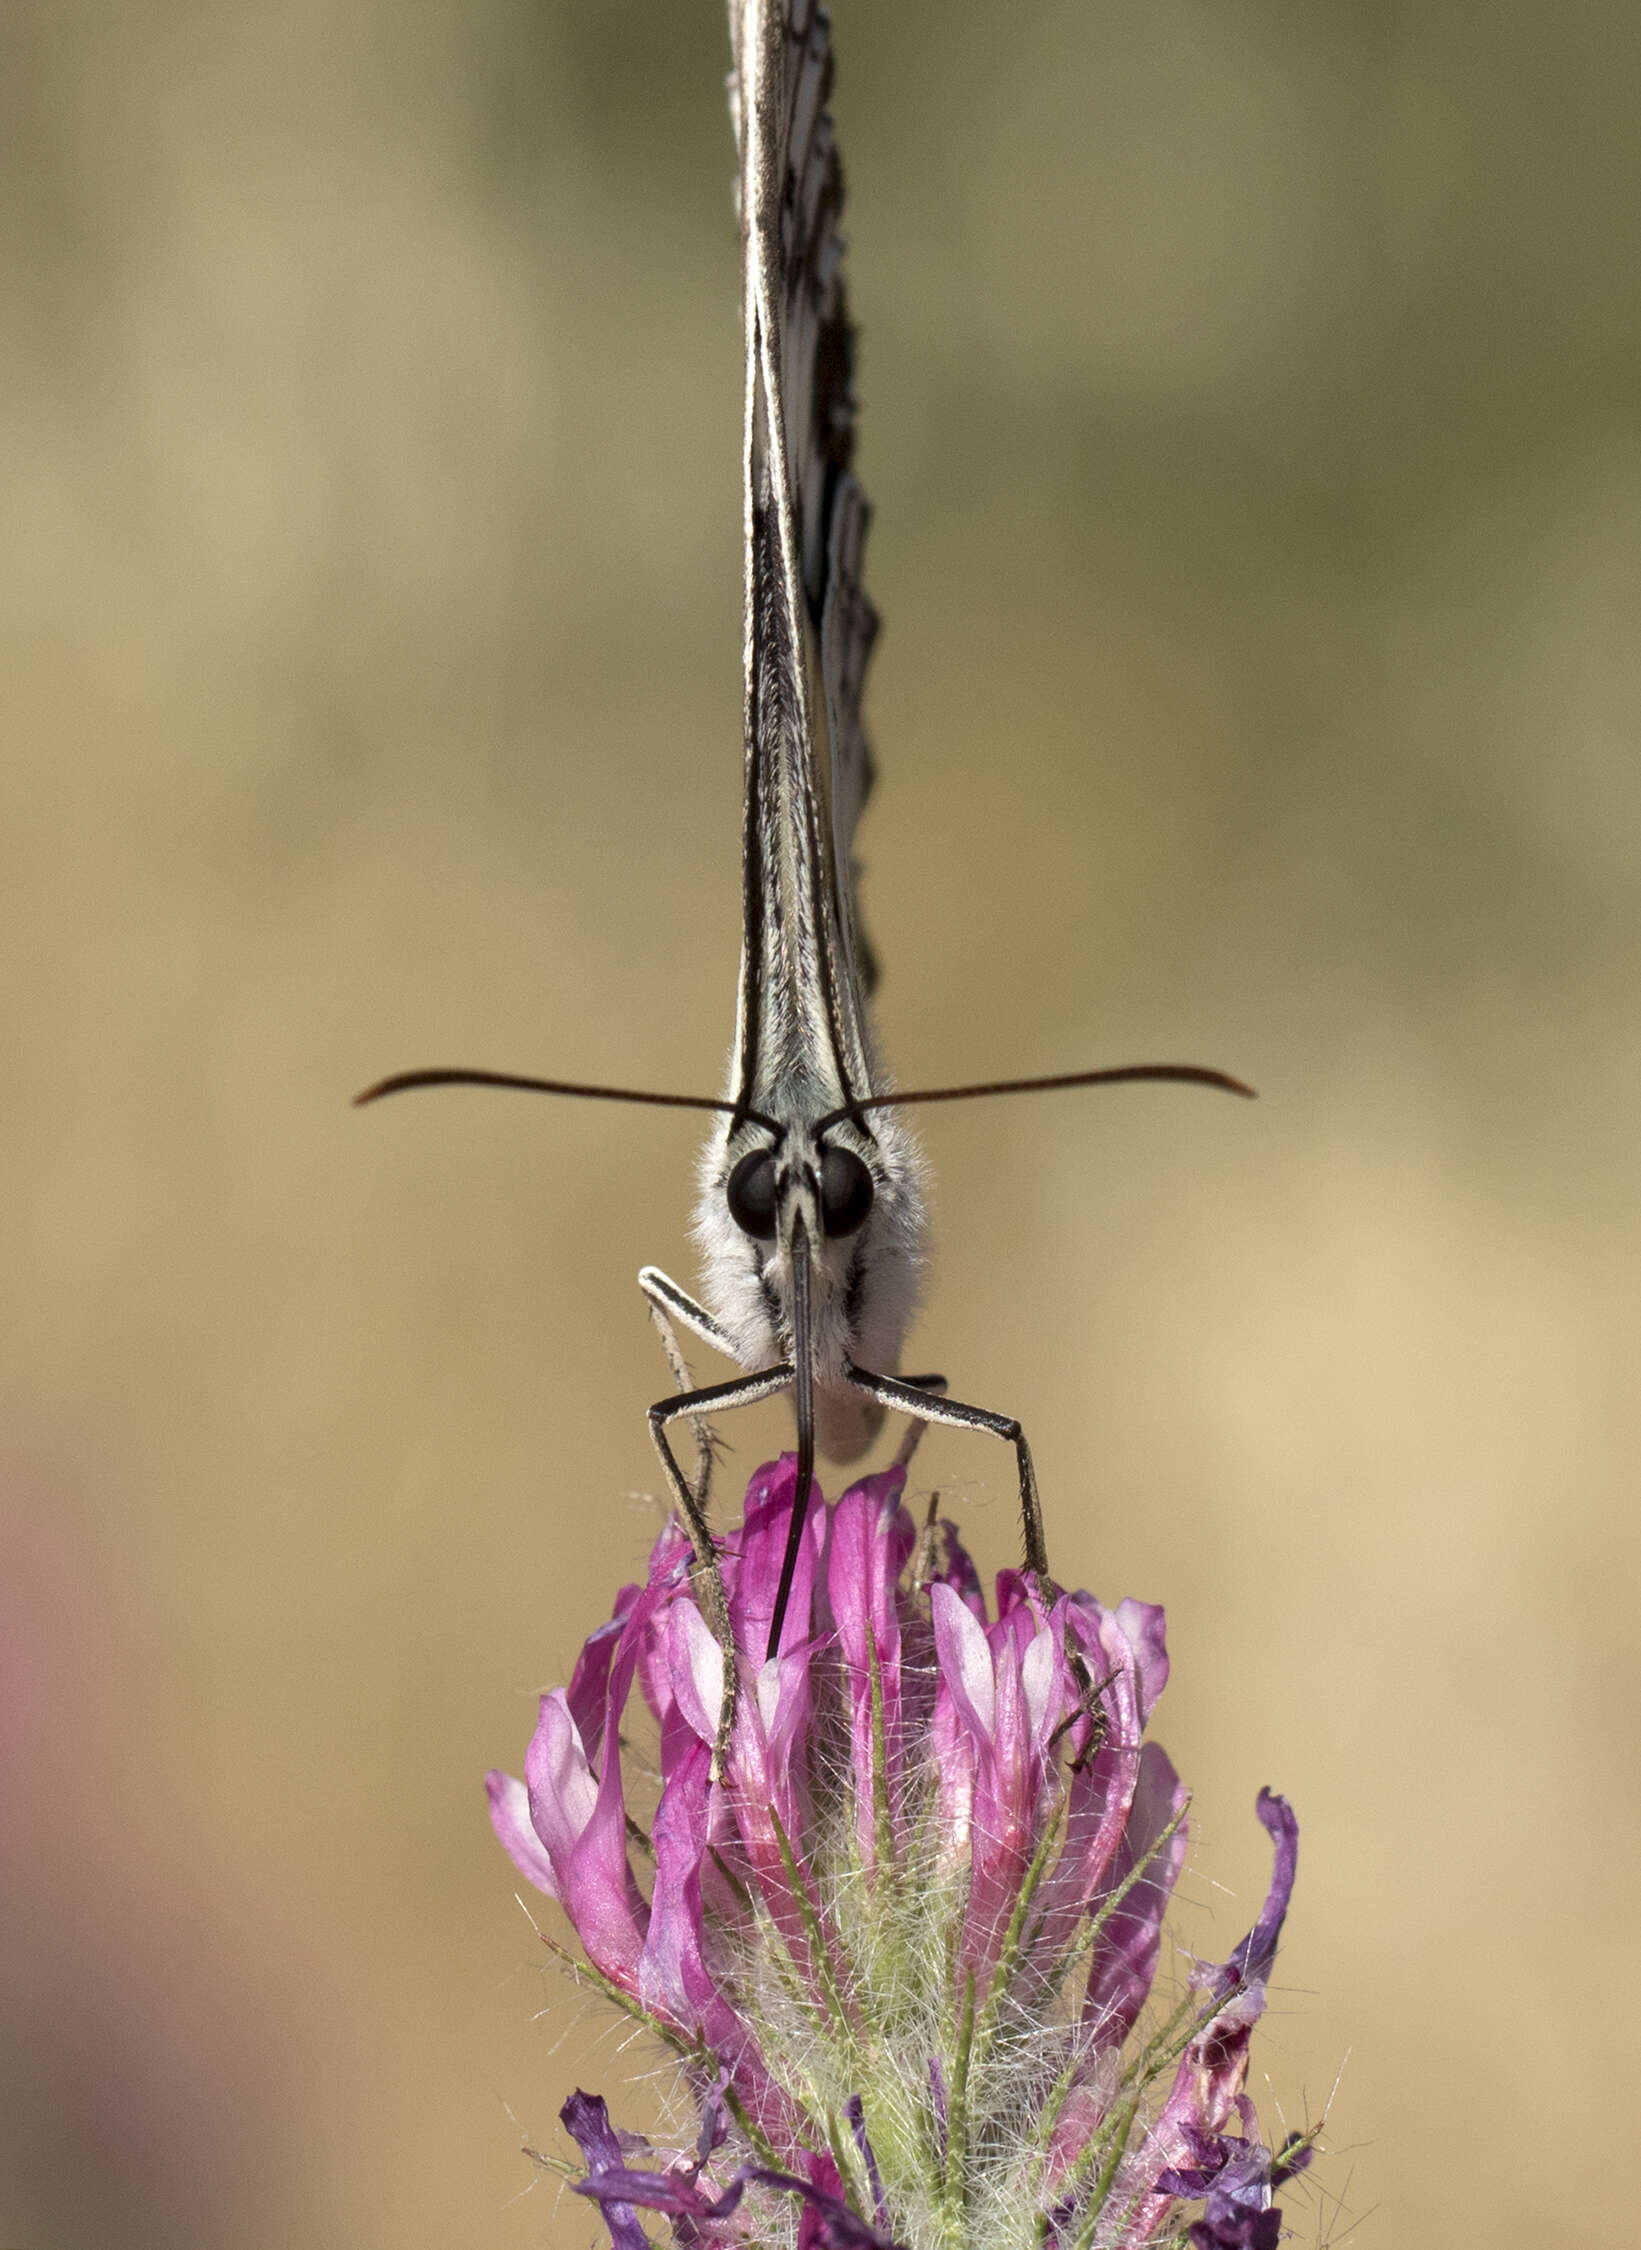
{"x":842,"y":1200}
{"x":833,"y":1190}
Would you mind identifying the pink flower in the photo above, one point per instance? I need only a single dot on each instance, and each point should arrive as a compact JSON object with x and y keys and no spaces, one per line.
{"x":902,"y":1948}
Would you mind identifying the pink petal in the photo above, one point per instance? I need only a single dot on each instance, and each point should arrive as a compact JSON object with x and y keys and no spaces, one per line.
{"x":954,"y":1756}
{"x":560,"y":1784}
{"x":668,"y":1578}
{"x":959,"y":1573}
{"x":599,"y":1890}
{"x":673,"y":1979}
{"x":1038,"y":1684}
{"x":1145,"y":1628}
{"x":1008,"y":1793}
{"x":589,"y":1680}
{"x":762,"y":1553}
{"x":1101,"y":1786}
{"x":872,"y":1540}
{"x":510,"y":1818}
{"x":964,"y":1656}
{"x":695,"y":1668}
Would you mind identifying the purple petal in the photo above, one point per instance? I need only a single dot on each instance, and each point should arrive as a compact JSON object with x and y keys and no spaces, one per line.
{"x":1252,"y":1960}
{"x":837,"y":2227}
{"x":590,"y":1679}
{"x":587,"y":2121}
{"x":1208,"y":2082}
{"x":672,"y":2192}
{"x":757,"y":1578}
{"x":1014,"y":1592}
{"x":714,"y":2121}
{"x":618,"y":2186}
{"x":823,"y":2174}
{"x":855,"y":2111}
{"x":510,"y":1818}
{"x":1183,"y":2185}
{"x":1237,"y":2177}
{"x":768,"y":1743}
{"x":1125,"y":1953}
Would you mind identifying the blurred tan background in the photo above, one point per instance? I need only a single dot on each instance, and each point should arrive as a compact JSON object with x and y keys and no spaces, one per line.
{"x":1251,"y":408}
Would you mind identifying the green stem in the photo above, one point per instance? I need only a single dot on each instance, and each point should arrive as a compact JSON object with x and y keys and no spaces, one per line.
{"x":1121,"y":2127}
{"x":957,"y":2112}
{"x":821,"y":1962}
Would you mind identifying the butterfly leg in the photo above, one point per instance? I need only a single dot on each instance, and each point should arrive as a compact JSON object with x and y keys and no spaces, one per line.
{"x":924,"y":1398}
{"x":745,"y":1390}
{"x":915,"y":1425}
{"x":930,"y":1406}
{"x":665,"y":1296}
{"x":668,"y":1303}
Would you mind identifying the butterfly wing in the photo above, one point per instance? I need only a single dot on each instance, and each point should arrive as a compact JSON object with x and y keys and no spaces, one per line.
{"x":803,"y":1029}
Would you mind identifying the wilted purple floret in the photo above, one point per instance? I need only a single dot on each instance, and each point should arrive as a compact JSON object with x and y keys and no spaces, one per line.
{"x":901,"y":1946}
{"x":1236,"y":2177}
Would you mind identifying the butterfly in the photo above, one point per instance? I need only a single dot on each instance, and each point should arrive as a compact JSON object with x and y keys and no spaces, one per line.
{"x":810,"y":1213}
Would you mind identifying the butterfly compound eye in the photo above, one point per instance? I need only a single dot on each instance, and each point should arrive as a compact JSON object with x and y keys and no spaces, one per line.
{"x":751,"y":1195}
{"x":846,"y":1192}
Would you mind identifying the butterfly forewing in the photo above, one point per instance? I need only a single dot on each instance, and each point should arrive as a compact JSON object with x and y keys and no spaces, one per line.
{"x":810,"y":1211}
{"x":803,"y":1031}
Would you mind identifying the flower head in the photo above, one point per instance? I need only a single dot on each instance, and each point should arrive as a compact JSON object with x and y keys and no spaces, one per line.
{"x":902,"y":1947}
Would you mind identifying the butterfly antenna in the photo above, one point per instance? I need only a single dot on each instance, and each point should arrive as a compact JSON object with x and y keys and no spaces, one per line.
{"x":803,"y":1384}
{"x":409,"y":1081}
{"x":1176,"y":1074}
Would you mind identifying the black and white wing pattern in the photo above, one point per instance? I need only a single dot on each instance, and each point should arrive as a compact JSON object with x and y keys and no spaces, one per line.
{"x":805,"y":970}
{"x":809,"y":1208}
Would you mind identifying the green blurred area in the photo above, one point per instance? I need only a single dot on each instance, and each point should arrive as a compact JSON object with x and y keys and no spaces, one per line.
{"x":1250,"y":407}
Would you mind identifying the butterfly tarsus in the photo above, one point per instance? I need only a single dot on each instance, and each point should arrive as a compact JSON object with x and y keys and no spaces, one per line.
{"x":928,"y":1406}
